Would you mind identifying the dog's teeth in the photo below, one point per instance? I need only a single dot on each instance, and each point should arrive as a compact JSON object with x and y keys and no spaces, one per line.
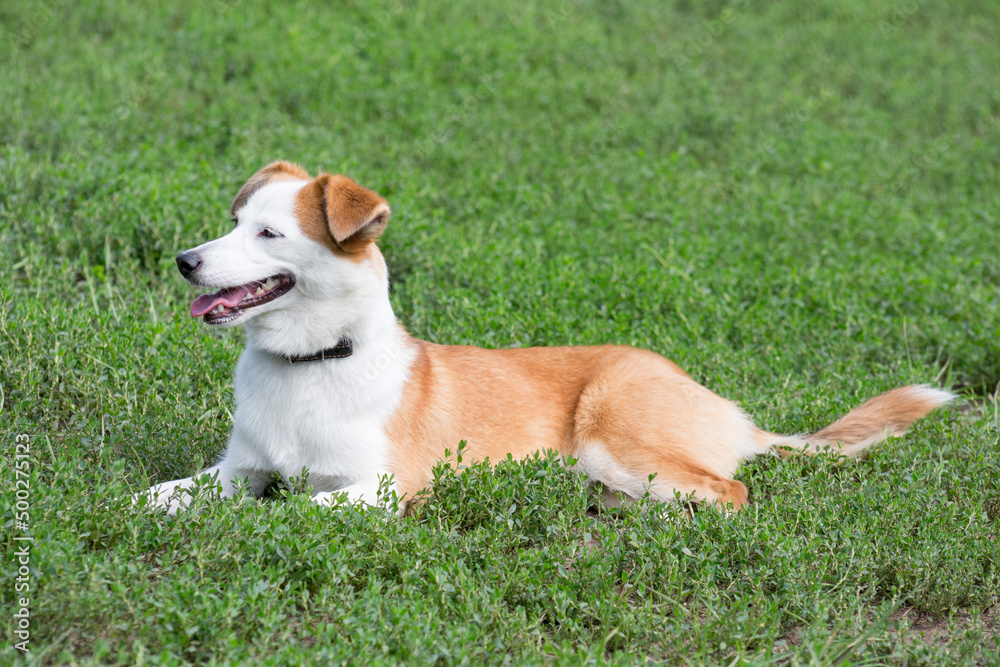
{"x":269,"y":283}
{"x":260,"y":290}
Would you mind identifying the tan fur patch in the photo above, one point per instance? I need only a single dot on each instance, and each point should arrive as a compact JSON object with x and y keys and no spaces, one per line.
{"x":891,"y":412}
{"x":500,"y":402}
{"x":274,"y":172}
{"x":646,"y":413}
{"x":623,"y":413}
{"x":888,"y":414}
{"x":343,"y":216}
{"x":309,"y":209}
{"x":356,"y":214}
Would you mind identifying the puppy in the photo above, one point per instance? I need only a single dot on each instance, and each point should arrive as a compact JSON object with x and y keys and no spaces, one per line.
{"x":330,"y":382}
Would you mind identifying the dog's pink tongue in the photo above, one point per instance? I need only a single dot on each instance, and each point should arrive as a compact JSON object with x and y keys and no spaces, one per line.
{"x":229,"y":298}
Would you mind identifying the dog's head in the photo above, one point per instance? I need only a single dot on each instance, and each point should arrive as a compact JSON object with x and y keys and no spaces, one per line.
{"x":301,"y":257}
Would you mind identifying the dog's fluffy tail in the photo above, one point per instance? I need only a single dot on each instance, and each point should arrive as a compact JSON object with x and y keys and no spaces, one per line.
{"x":888,"y":414}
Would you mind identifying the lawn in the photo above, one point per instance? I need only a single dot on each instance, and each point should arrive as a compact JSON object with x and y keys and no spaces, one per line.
{"x":797,"y":202}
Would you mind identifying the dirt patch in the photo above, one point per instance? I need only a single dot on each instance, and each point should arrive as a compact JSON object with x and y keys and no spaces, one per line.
{"x":938,"y":631}
{"x":913,"y":627}
{"x":975,"y":406}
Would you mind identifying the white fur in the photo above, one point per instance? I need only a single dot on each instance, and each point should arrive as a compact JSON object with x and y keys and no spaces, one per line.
{"x":621,"y":484}
{"x":599,"y":465}
{"x":933,"y":395}
{"x":326,"y":417}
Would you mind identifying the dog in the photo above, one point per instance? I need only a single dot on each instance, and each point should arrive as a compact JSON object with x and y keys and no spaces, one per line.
{"x":330,"y":382}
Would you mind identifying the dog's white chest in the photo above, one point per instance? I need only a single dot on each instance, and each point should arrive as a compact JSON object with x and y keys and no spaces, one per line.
{"x":325,"y":416}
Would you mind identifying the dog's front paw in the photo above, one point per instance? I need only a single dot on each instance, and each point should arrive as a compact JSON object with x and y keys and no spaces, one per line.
{"x":330,"y":498}
{"x":169,"y":497}
{"x":378,"y":491}
{"x":155,"y":499}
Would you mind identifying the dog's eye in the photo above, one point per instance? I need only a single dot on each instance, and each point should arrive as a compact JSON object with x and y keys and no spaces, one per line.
{"x":234,"y":221}
{"x":269,"y":233}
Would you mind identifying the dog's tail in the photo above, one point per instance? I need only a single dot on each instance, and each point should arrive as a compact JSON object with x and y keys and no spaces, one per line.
{"x":888,"y":414}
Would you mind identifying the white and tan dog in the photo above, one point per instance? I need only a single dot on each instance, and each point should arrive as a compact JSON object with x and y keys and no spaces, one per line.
{"x":330,"y":382}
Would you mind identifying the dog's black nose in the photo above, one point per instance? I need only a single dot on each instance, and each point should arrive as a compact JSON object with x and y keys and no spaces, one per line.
{"x":188,"y":262}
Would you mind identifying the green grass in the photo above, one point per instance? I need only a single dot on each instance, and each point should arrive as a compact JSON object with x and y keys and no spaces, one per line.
{"x":795,"y":201}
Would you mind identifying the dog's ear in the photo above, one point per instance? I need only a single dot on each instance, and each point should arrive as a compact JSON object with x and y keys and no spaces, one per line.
{"x":355,"y":215}
{"x":276,"y":171}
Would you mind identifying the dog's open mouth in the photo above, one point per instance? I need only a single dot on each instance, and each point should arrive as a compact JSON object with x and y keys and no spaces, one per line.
{"x":229,"y":303}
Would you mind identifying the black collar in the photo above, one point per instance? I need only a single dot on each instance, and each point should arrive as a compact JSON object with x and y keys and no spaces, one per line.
{"x":340,"y":350}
